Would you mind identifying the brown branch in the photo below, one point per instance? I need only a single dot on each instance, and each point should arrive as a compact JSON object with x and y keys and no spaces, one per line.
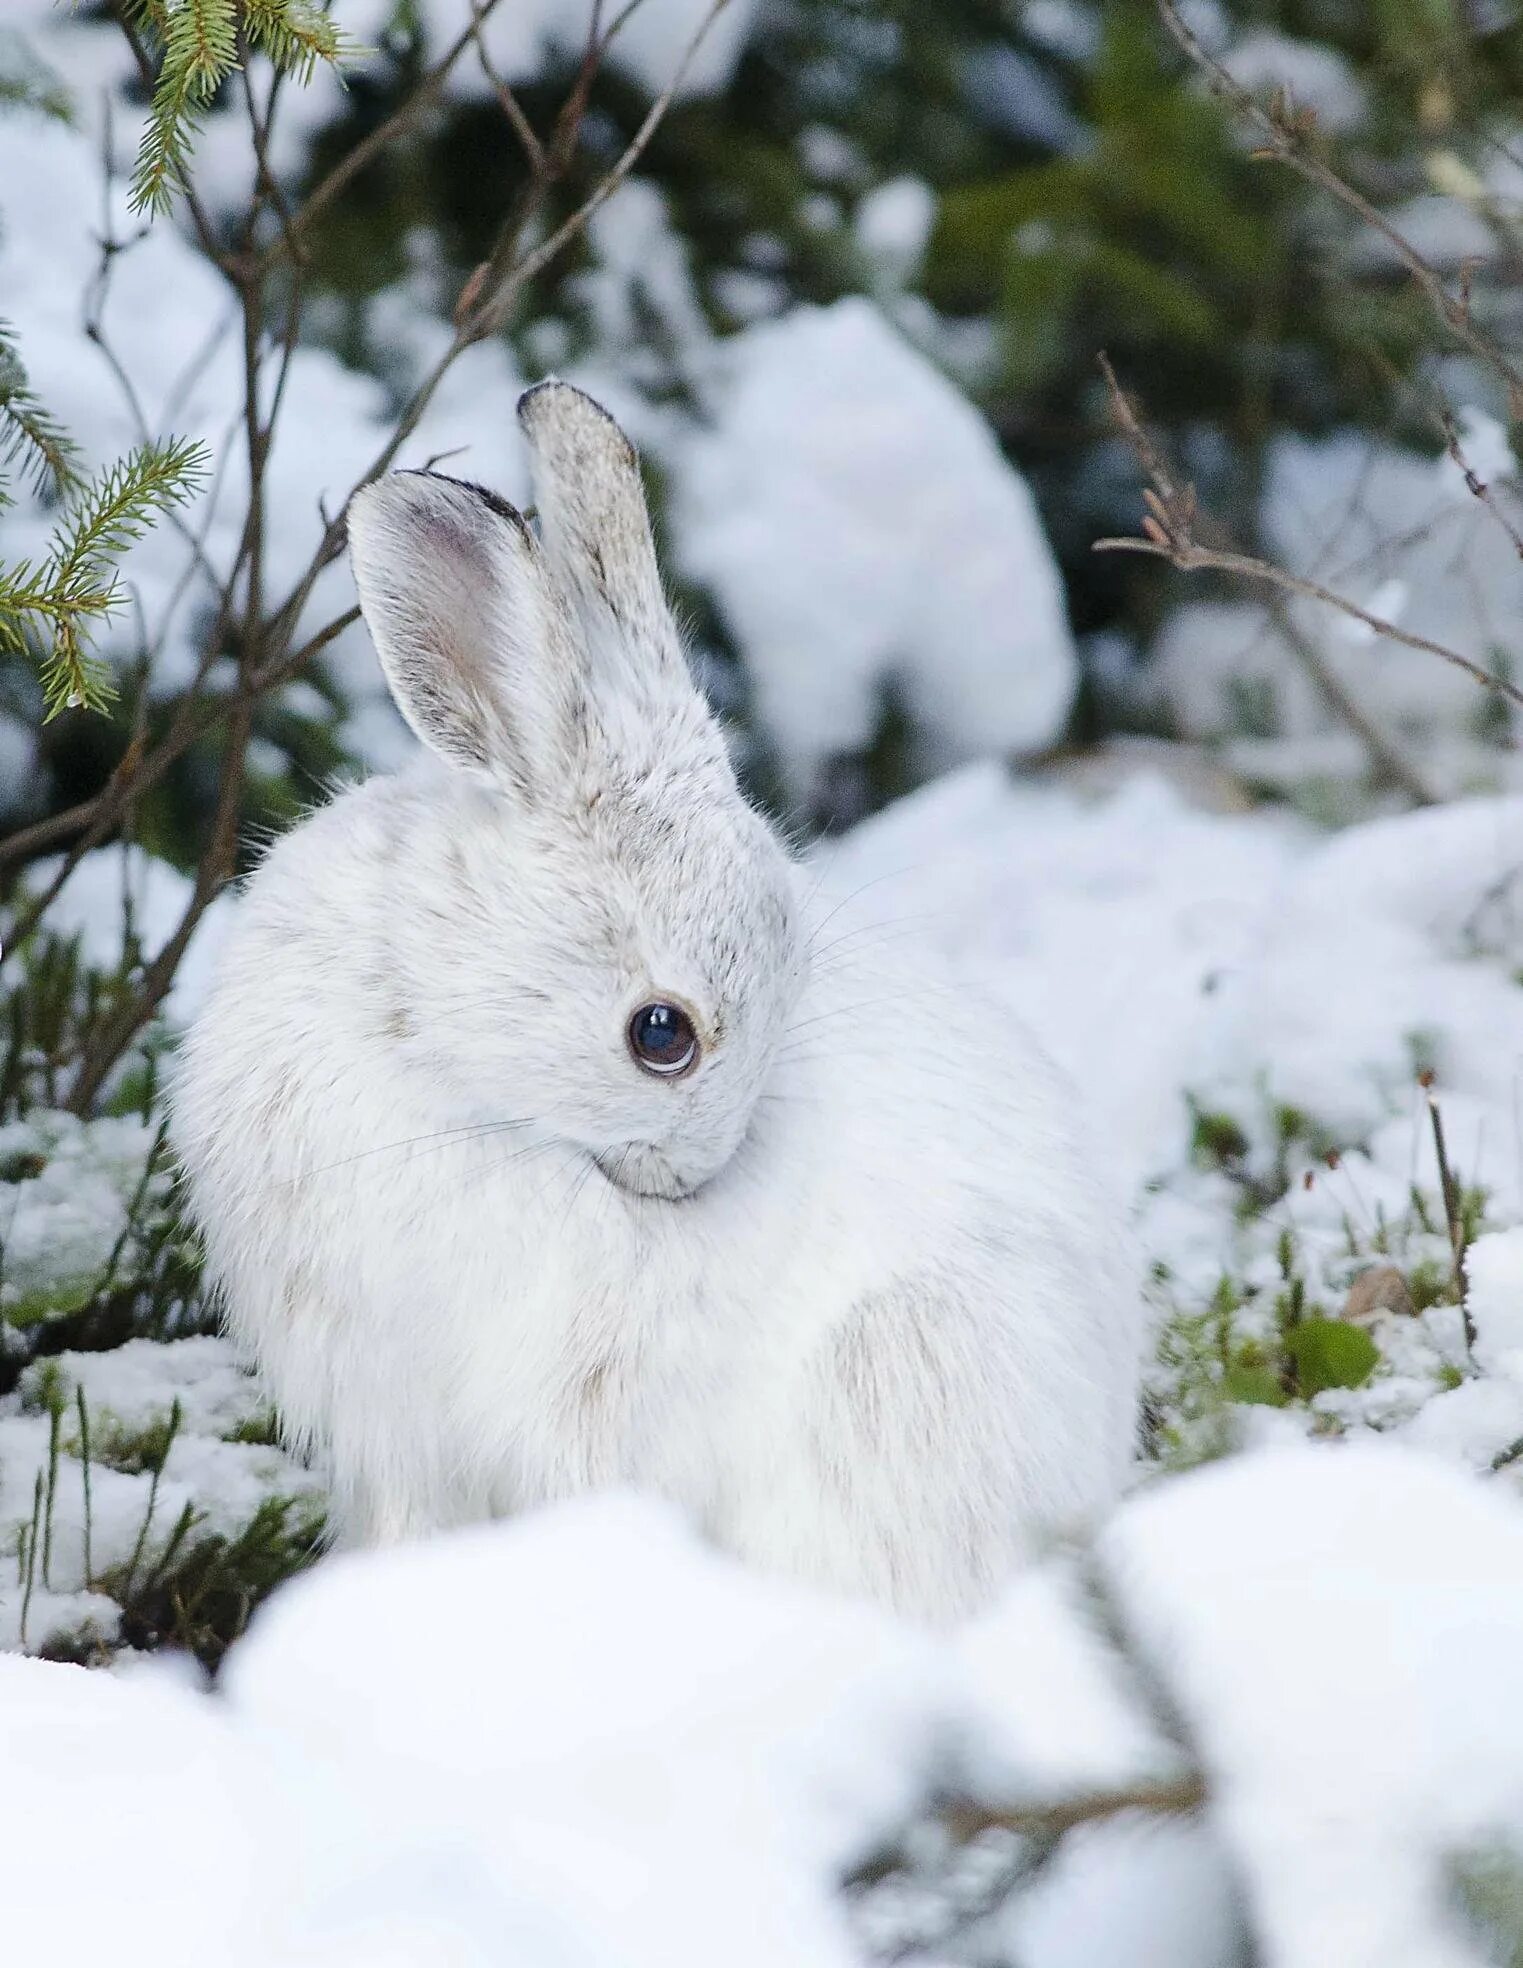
{"x":1286,"y":140}
{"x":1384,"y":751}
{"x":383,"y":136}
{"x":1170,"y":496}
{"x":964,"y":1819}
{"x":1191,"y":558}
{"x":523,"y":129}
{"x":1475,"y":485}
{"x":492,"y":310}
{"x":1168,"y":529}
{"x":1171,"y":1797}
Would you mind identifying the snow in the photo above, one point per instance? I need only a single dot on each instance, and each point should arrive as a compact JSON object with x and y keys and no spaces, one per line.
{"x":584,"y":1737}
{"x":687,"y":1753}
{"x":1095,"y":919}
{"x":1494,"y":1273}
{"x":860,"y":529}
{"x":59,"y":1225}
{"x":1343,"y":1632}
{"x":1313,"y":76}
{"x":113,"y":1536}
{"x":892,"y":225}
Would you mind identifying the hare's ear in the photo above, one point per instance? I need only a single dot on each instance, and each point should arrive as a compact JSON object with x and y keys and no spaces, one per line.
{"x":470,"y":631}
{"x":596,"y":533}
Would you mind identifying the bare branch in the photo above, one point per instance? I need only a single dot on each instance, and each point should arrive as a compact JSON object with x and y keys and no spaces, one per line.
{"x":493,"y":307}
{"x":1382,"y":748}
{"x":1191,"y":558}
{"x":1169,"y":533}
{"x":523,"y":129}
{"x":1475,"y":485}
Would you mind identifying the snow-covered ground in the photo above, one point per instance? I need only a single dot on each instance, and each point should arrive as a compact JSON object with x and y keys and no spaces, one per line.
{"x":584,"y":1739}
{"x":1245,"y":1005}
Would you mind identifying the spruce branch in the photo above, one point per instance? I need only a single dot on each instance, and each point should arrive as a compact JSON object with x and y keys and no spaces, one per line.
{"x":31,"y":440}
{"x":297,"y":37}
{"x":198,"y":45}
{"x":199,"y":41}
{"x":76,"y":586}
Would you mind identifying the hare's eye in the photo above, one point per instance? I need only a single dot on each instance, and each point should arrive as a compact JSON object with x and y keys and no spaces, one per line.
{"x":662,"y":1039}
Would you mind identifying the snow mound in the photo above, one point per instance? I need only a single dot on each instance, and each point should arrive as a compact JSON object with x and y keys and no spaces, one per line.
{"x":1343,"y":1633}
{"x":585,"y":1738}
{"x":861,"y":531}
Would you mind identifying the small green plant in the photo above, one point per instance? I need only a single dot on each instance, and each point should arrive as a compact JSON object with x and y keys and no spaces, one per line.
{"x":202,"y":1590}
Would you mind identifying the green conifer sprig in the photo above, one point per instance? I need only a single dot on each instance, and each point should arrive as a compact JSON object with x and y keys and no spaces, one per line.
{"x":31,"y":440}
{"x":76,"y":586}
{"x":198,"y":45}
{"x":296,"y":37}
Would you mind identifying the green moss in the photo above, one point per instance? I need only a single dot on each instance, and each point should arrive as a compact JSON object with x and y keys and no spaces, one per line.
{"x":60,"y":1298}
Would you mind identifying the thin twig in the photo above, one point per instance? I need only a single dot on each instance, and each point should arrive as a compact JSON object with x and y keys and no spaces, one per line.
{"x":494,"y":308}
{"x":523,"y":129}
{"x":1192,"y":558}
{"x":1475,"y":485}
{"x":1171,"y":1797}
{"x":382,"y":137}
{"x":1385,"y":753}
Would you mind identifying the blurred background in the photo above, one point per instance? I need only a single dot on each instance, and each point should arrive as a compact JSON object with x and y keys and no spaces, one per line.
{"x":850,"y":301}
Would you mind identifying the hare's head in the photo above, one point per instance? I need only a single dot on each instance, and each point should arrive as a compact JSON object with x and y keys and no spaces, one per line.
{"x":616,"y":952}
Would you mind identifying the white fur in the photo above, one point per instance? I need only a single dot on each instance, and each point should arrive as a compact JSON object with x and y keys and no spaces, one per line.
{"x":851,"y":1292}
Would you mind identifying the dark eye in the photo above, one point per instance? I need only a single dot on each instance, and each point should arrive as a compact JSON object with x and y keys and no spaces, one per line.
{"x":662,"y":1039}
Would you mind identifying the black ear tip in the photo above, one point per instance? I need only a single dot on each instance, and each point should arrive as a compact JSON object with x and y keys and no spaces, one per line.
{"x":420,"y":484}
{"x":554,"y":409}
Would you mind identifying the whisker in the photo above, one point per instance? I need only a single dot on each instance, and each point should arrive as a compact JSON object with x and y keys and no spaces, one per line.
{"x":441,"y":1136}
{"x":891,"y":874}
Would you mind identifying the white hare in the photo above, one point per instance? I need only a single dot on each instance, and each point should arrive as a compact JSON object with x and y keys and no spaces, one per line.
{"x":537,"y":1149}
